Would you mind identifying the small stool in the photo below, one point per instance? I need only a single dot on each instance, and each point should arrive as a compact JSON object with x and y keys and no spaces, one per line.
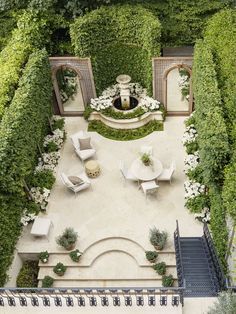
{"x":92,"y":168}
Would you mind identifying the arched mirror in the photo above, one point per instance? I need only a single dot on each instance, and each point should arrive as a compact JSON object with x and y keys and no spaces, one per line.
{"x":69,"y":91}
{"x":178,"y":90}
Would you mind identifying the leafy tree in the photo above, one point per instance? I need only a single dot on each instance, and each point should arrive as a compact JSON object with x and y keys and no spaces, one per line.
{"x":226,"y":304}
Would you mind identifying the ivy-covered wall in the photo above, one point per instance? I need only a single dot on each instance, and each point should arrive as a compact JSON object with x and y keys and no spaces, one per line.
{"x":119,"y":40}
{"x":30,"y":34}
{"x":23,"y":126}
{"x":212,"y":138}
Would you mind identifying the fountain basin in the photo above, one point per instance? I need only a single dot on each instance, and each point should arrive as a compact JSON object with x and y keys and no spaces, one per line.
{"x":133,"y":103}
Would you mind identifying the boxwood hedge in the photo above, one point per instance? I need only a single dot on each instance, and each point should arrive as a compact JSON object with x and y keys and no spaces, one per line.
{"x":23,"y":127}
{"x":119,"y":39}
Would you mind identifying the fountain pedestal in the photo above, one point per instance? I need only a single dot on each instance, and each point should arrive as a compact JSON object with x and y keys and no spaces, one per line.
{"x":123,"y":81}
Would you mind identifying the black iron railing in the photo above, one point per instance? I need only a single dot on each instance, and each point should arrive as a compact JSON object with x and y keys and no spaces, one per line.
{"x":214,"y":258}
{"x":179,"y":260}
{"x":92,"y":296}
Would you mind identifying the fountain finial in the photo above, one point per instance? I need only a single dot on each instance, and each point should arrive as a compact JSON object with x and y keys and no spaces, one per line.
{"x":123,"y":81}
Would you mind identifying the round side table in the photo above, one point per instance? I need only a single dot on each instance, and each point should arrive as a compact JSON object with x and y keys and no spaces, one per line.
{"x":92,"y":168}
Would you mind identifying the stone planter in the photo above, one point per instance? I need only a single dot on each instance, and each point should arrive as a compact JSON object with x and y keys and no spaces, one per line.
{"x":71,"y":247}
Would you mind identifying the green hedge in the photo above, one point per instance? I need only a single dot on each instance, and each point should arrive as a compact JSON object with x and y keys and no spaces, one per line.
{"x":229,"y":190}
{"x":220,"y":34}
{"x":28,"y":275}
{"x":30,"y":34}
{"x":119,"y":39}
{"x":23,"y":126}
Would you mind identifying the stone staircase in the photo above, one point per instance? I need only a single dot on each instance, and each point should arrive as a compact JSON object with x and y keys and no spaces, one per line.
{"x":108,"y":262}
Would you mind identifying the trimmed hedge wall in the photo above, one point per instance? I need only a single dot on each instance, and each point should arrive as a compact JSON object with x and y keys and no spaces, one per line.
{"x":212,"y":139}
{"x":30,"y":35}
{"x":220,"y":34}
{"x":23,"y":126}
{"x":119,"y":39}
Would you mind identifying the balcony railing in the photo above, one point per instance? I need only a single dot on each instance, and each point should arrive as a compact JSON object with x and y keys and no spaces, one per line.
{"x":179,"y":261}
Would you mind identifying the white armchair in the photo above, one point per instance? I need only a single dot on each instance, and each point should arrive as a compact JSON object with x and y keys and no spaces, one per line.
{"x":76,"y":187}
{"x":167,"y":173}
{"x":126,"y":173}
{"x":85,"y":153}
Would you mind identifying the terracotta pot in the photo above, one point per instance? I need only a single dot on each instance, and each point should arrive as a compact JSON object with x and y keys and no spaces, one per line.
{"x":158,"y":248}
{"x":71,"y":247}
{"x":60,"y":274}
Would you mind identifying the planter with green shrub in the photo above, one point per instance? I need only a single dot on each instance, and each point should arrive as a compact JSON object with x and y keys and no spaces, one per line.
{"x":158,"y":238}
{"x":47,"y":282}
{"x":75,"y":255}
{"x":167,"y":281}
{"x":44,"y":256}
{"x":151,"y":256}
{"x":59,"y":269}
{"x":68,"y":239}
{"x":160,"y":268}
{"x":28,"y":275}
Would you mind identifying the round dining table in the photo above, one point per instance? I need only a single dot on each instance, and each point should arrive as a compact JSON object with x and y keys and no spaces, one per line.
{"x":146,"y":173}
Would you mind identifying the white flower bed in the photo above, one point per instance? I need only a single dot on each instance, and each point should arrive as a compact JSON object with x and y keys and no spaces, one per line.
{"x":101,"y":103}
{"x":40,"y":196}
{"x":204,"y":216}
{"x":193,"y":189}
{"x":48,"y":161}
{"x":149,"y":104}
{"x":191,"y":162}
{"x":57,"y":138}
{"x":27,"y":217}
{"x":111,"y":91}
{"x":183,"y":81}
{"x":190,"y":135}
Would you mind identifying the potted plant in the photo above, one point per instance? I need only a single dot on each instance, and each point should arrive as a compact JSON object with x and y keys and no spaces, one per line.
{"x":158,"y":238}
{"x":151,"y":256}
{"x":160,"y":268}
{"x":59,"y":269}
{"x":67,"y":239}
{"x":167,"y":281}
{"x":44,"y":256}
{"x":146,"y":159}
{"x":75,"y":255}
{"x":47,"y":282}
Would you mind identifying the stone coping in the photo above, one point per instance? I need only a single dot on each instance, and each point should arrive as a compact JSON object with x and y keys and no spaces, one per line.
{"x":133,"y":123}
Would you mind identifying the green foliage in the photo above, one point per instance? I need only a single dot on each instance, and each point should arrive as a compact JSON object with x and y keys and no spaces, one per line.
{"x":75,"y":255}
{"x":225,"y":304}
{"x":119,"y":39}
{"x":229,"y":195}
{"x":28,"y":275}
{"x":58,"y":124}
{"x":44,"y":256}
{"x":23,"y":125}
{"x":151,"y":256}
{"x":47,"y":282}
{"x":160,"y":268}
{"x":30,"y":35}
{"x":59,"y":269}
{"x":192,"y":147}
{"x":220,"y":34}
{"x":8,"y":23}
{"x":158,"y":238}
{"x":167,"y":281}
{"x":218,"y":225}
{"x":67,"y":239}
{"x":44,"y":179}
{"x":196,"y":204}
{"x":51,"y":147}
{"x":125,"y":135}
{"x":110,"y":112}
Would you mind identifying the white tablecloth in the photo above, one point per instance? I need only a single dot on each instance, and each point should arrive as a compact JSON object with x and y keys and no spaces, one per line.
{"x":146,"y":173}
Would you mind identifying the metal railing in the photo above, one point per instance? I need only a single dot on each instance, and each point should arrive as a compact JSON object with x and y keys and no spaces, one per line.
{"x":92,"y":296}
{"x":214,"y":258}
{"x":178,"y":254}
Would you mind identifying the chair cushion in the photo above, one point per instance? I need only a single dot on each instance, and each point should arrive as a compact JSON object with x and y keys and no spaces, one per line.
{"x":75,"y":180}
{"x":84,"y":143}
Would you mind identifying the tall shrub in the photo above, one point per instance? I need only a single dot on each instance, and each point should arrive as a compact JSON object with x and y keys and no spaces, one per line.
{"x":229,"y":189}
{"x":22,"y":128}
{"x":31,"y":33}
{"x":119,"y":40}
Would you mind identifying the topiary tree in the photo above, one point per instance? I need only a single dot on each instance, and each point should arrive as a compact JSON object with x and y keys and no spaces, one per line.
{"x":119,"y":39}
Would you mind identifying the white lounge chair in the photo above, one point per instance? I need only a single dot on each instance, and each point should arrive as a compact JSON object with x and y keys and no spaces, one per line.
{"x":167,"y":173}
{"x":73,"y":187}
{"x":149,"y":187}
{"x":126,"y":173}
{"x":85,"y":153}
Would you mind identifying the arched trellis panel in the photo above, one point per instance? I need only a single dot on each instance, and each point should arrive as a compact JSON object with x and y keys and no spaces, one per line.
{"x":161,"y":68}
{"x":82,"y":67}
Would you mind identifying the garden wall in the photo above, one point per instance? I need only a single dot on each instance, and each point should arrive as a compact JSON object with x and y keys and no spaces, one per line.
{"x":119,"y":40}
{"x":23,"y":127}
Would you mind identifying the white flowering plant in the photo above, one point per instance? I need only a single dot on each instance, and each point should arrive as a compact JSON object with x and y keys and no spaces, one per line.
{"x":56,"y":140}
{"x":27,"y":217}
{"x":191,"y":161}
{"x":149,"y":104}
{"x":48,"y":161}
{"x":193,"y":189}
{"x":101,"y":103}
{"x":190,"y":134}
{"x":40,"y":196}
{"x":204,"y":216}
